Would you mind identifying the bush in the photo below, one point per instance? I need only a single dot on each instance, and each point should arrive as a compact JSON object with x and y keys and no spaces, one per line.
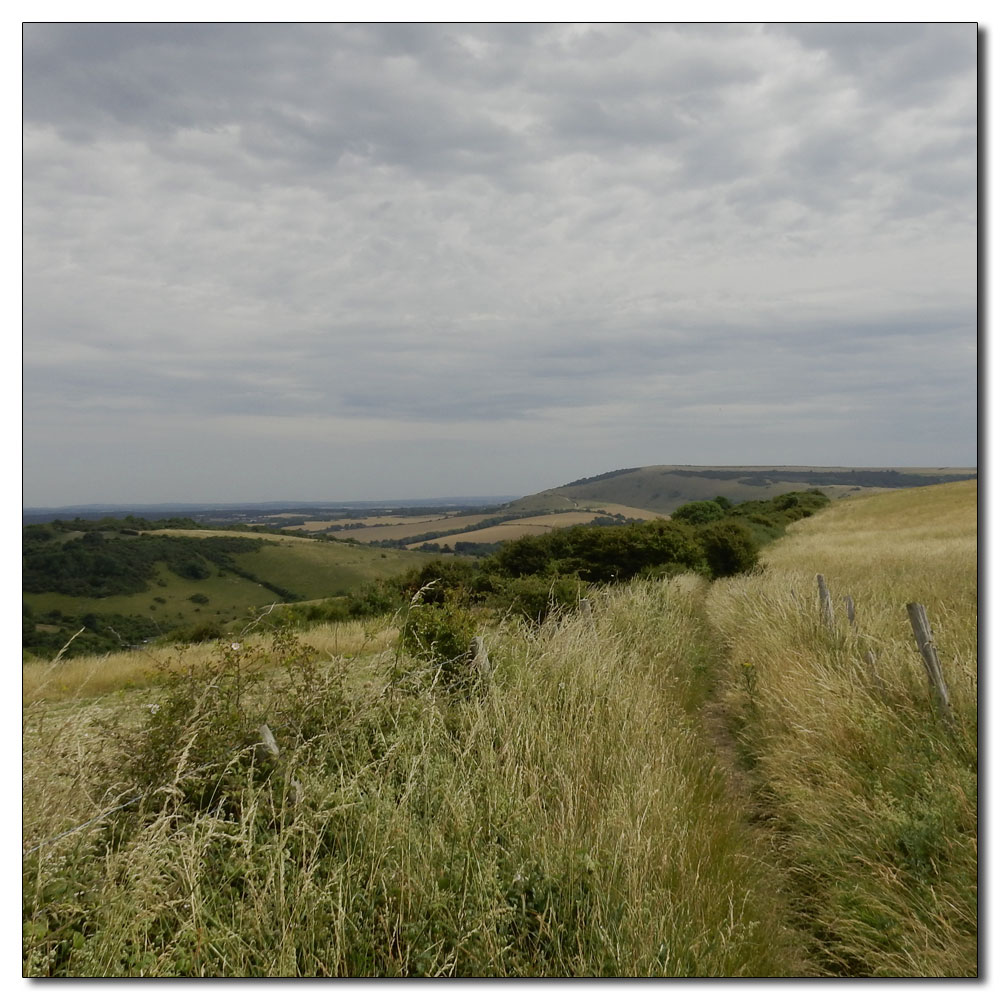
{"x":729,"y":548}
{"x":440,"y":634}
{"x":699,"y":512}
{"x":537,"y":597}
{"x":374,"y":599}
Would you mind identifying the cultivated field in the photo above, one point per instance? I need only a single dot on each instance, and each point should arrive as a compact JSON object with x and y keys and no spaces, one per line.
{"x":392,"y":532}
{"x":515,"y":529}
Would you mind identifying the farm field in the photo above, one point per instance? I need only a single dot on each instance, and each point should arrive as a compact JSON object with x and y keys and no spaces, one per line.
{"x":371,"y":521}
{"x":516,"y":529}
{"x":692,"y":779}
{"x":405,"y":529}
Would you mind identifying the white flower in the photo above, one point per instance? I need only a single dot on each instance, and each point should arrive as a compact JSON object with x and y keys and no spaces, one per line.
{"x":234,"y":645}
{"x":153,"y":709}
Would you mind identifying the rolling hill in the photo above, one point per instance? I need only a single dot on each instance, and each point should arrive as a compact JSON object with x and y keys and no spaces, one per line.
{"x":663,"y":488}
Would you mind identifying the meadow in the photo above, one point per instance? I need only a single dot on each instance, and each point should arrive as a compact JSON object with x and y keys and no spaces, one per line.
{"x":684,"y":778}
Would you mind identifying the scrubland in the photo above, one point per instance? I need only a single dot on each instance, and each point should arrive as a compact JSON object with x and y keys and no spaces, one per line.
{"x":690,"y":780}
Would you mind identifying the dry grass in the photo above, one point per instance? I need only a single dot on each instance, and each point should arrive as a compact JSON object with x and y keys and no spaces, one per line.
{"x":876,"y":797}
{"x":87,"y":677}
{"x":568,"y":822}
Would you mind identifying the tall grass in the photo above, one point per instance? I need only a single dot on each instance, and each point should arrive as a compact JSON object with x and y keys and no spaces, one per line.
{"x":874,"y":797}
{"x":567,"y":821}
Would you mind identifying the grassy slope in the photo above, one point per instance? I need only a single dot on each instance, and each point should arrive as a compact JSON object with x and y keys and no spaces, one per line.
{"x":306,"y":567}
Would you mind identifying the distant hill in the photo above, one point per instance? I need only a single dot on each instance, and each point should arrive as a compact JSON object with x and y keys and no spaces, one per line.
{"x":663,"y":488}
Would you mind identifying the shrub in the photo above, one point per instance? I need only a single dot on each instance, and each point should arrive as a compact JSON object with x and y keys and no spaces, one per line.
{"x":699,"y":512}
{"x":729,"y":548}
{"x":373,"y":599}
{"x":440,"y":634}
{"x":537,"y":597}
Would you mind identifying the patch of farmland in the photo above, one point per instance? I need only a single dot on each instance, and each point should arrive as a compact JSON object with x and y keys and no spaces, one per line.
{"x":498,"y":533}
{"x":211,"y":533}
{"x":370,"y":522}
{"x":394,"y":532}
{"x":639,"y":513}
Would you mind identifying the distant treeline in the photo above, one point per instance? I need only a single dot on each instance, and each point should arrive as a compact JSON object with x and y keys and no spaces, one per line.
{"x":818,"y":477}
{"x":597,"y":479}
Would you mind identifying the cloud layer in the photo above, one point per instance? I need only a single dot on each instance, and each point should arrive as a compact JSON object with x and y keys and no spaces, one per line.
{"x":344,"y":261}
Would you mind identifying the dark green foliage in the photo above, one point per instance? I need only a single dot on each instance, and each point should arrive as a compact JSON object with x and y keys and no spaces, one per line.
{"x":729,"y":548}
{"x":103,"y":633}
{"x":198,"y":598}
{"x":598,"y":554}
{"x":698,"y":512}
{"x":107,"y":563}
{"x":442,"y":635}
{"x":439,"y":581}
{"x":822,"y":477}
{"x":377,"y":598}
{"x":537,"y":597}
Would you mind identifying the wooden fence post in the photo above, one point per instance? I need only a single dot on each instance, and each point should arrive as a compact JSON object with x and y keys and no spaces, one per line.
{"x":849,"y":601}
{"x":271,"y":745}
{"x":481,"y":660}
{"x":825,"y":603}
{"x":925,"y":643}
{"x":585,"y":608}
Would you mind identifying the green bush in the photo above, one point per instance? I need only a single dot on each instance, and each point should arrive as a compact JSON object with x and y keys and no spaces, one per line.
{"x":699,"y":512}
{"x":537,"y":597}
{"x":729,"y":548}
{"x":378,"y":598}
{"x":440,"y":634}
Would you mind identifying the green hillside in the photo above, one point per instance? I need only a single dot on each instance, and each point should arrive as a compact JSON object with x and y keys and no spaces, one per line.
{"x":126,"y":586}
{"x":663,"y":488}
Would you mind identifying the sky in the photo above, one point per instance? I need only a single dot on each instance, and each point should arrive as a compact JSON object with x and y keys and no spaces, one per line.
{"x":382,"y":261}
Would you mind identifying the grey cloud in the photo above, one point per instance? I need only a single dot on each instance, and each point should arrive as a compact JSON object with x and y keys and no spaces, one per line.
{"x":465,"y":226}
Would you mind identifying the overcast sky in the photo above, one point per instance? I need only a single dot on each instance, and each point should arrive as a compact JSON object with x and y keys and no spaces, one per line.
{"x":339,"y":262}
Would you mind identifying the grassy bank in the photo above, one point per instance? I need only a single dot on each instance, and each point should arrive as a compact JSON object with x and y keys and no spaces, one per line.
{"x":874,"y":797}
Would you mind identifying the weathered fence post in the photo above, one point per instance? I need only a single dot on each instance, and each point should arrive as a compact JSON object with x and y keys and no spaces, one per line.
{"x":271,"y":746}
{"x":825,"y":602}
{"x":267,"y":738}
{"x":585,"y":608}
{"x":849,"y":601}
{"x":481,"y":660}
{"x":925,"y":643}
